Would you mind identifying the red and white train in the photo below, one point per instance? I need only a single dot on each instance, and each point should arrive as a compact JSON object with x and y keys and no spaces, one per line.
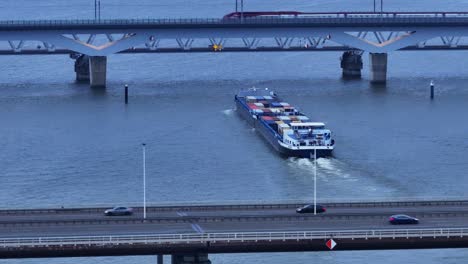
{"x":279,"y":14}
{"x":296,"y":14}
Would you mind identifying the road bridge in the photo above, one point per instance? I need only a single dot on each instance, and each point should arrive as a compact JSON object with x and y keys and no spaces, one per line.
{"x":189,"y":233}
{"x":352,"y":32}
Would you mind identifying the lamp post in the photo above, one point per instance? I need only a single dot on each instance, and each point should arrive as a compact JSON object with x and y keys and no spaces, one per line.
{"x":99,"y":9}
{"x":381,"y":6}
{"x":315,"y":181}
{"x":144,"y":180}
{"x":242,"y":11}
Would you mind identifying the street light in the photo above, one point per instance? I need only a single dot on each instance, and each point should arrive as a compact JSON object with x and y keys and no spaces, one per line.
{"x":381,"y":6}
{"x":144,"y":180}
{"x":242,"y":11}
{"x":97,"y":9}
{"x":315,"y":181}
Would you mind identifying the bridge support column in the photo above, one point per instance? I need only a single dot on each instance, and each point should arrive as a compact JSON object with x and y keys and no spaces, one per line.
{"x":82,"y":68}
{"x":160,"y":259}
{"x":195,"y":258}
{"x":351,"y":63}
{"x":97,"y":70}
{"x":378,"y":67}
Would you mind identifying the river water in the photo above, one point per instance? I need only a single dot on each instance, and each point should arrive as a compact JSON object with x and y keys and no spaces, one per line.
{"x":63,"y":144}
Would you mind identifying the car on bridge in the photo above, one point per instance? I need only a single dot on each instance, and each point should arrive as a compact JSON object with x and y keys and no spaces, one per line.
{"x":309,"y":208}
{"x":402,"y":219}
{"x":121,"y":210}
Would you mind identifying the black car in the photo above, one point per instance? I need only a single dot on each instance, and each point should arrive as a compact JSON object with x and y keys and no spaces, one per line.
{"x":119,"y":211}
{"x":309,"y":208}
{"x":402,"y":219}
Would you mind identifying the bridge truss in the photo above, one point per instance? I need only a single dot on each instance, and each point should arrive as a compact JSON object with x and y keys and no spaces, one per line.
{"x":107,"y":44}
{"x":322,"y":32}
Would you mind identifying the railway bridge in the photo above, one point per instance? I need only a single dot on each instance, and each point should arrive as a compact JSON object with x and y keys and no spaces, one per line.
{"x":91,"y":41}
{"x":190,"y":232}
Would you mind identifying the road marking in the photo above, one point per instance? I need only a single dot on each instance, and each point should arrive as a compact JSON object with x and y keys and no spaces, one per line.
{"x":181,"y":214}
{"x":197,"y":228}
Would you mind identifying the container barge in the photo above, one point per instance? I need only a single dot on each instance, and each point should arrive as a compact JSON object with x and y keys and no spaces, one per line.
{"x":289,"y":132}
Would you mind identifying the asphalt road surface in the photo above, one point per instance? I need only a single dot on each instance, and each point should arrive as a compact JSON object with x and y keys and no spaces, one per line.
{"x":216,"y":220}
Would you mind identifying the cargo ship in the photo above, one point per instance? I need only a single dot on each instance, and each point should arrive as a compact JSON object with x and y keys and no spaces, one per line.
{"x":289,"y":132}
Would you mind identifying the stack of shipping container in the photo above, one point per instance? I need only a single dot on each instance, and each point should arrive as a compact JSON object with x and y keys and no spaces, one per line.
{"x":278,"y":115}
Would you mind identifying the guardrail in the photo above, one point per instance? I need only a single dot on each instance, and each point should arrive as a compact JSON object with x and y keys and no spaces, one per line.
{"x":231,"y":237}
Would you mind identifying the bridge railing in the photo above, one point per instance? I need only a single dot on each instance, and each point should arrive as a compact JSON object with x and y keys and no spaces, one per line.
{"x":232,"y":237}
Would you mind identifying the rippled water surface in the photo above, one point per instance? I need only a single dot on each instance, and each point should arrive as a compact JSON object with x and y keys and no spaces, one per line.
{"x":62,"y":143}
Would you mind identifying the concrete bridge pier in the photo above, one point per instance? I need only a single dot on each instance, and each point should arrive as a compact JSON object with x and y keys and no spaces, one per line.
{"x":81,"y":67}
{"x":378,"y":67}
{"x":351,"y":63}
{"x":195,"y":258}
{"x":97,"y":70}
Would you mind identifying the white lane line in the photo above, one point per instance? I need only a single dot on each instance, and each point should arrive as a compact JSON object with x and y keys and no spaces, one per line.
{"x":181,"y":214}
{"x":197,"y":228}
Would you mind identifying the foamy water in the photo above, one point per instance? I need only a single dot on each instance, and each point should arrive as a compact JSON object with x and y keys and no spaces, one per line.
{"x":229,"y":112}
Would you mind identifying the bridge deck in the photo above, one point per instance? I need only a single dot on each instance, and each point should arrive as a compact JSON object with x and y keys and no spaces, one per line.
{"x":228,"y":229}
{"x":372,"y":32}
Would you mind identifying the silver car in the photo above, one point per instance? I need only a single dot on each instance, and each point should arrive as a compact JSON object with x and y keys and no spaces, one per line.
{"x":119,"y":211}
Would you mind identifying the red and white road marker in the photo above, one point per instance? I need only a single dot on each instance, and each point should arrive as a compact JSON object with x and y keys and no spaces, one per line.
{"x":331,"y":244}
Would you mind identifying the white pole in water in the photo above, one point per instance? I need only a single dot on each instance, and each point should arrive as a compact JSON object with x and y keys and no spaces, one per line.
{"x":144,"y":180}
{"x":315,"y":181}
{"x":432,"y":89}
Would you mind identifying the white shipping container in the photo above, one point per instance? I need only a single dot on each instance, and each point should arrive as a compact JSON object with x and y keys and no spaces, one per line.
{"x":250,"y":99}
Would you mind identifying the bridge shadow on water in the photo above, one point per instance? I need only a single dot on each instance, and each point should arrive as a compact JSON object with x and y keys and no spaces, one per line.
{"x":378,"y":88}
